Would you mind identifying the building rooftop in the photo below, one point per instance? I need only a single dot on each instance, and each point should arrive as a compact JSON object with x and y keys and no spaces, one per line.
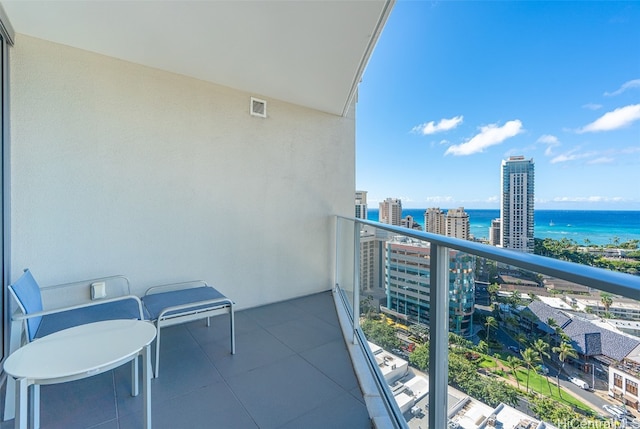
{"x":291,"y":370}
{"x":588,"y":338}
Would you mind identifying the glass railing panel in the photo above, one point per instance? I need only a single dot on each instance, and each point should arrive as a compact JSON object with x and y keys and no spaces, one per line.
{"x":345,"y":264}
{"x":509,"y":360}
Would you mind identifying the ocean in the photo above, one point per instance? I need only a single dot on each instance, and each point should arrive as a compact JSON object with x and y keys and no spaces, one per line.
{"x":597,"y":226}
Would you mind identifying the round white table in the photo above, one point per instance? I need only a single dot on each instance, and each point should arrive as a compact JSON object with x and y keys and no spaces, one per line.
{"x":80,"y":352}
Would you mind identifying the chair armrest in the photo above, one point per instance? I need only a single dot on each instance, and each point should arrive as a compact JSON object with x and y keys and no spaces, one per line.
{"x":19,"y":317}
{"x":79,"y":292}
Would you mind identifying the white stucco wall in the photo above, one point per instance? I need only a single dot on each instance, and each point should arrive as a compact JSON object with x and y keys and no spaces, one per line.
{"x":122,"y":169}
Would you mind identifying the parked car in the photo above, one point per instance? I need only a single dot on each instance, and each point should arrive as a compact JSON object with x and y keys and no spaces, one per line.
{"x":543,"y":369}
{"x":580,"y":383}
{"x":514,"y":349}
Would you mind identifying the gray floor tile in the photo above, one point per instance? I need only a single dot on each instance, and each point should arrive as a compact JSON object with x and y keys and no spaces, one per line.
{"x":342,"y":411}
{"x":219,"y":330}
{"x":277,"y":393}
{"x":213,"y":406}
{"x":305,"y":333}
{"x":82,"y":403}
{"x":334,"y":361}
{"x":274,"y":314}
{"x":253,"y":350}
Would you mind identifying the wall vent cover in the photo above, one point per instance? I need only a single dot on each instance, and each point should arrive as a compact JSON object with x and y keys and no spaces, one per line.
{"x":258,"y":107}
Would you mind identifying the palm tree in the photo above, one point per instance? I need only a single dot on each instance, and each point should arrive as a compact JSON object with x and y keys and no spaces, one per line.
{"x":564,"y":350}
{"x":514,"y":363}
{"x":606,"y":300}
{"x":493,"y":289}
{"x":541,"y":348}
{"x":530,"y":357}
{"x":521,"y":339}
{"x":490,"y":322}
{"x":482,"y":347}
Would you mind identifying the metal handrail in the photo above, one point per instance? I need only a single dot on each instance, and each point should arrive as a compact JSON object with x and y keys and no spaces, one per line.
{"x":613,"y":282}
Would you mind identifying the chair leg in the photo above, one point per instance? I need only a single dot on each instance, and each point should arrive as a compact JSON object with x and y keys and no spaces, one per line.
{"x":208,"y":322}
{"x":233,"y":330}
{"x":134,"y":377}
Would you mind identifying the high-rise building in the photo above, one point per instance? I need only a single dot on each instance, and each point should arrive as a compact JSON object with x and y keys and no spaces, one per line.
{"x":409,"y":222}
{"x":516,"y":205}
{"x":361,"y":204}
{"x":407,"y":266}
{"x":372,"y":249}
{"x":457,"y":222}
{"x":390,"y":211}
{"x":434,"y":221}
{"x":494,"y":232}
{"x":453,"y":224}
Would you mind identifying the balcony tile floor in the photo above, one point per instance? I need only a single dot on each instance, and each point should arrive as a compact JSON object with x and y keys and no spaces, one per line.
{"x":291,"y":370}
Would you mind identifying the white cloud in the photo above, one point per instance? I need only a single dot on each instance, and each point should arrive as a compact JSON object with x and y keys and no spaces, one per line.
{"x":492,"y":199}
{"x":439,"y":199}
{"x":613,"y":120}
{"x":592,"y":106}
{"x":489,"y":135}
{"x":551,"y":142}
{"x":444,"y":125}
{"x":635,"y":83}
{"x":590,"y":199}
{"x":548,"y":139}
{"x":572,"y":155}
{"x":602,"y":160}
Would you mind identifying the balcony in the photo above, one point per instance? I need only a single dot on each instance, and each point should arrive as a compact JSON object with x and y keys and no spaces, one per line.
{"x":291,"y":370}
{"x":298,"y":362}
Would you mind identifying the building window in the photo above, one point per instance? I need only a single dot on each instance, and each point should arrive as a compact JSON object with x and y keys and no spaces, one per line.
{"x":632,"y":387}
{"x":617,"y":380}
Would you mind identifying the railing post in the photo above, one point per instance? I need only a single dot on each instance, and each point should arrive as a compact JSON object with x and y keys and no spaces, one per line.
{"x":336,"y":272}
{"x":438,"y":336}
{"x":356,"y":279}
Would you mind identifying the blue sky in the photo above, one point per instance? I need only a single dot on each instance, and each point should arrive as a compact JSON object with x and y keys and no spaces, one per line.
{"x":455,"y":87}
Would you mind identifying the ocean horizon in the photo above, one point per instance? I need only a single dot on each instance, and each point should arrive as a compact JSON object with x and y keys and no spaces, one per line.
{"x":597,"y":226}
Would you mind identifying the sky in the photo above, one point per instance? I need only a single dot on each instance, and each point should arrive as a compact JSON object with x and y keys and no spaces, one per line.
{"x":454,"y":87}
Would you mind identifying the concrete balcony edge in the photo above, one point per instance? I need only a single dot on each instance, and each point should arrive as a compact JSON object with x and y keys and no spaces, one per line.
{"x":375,"y":403}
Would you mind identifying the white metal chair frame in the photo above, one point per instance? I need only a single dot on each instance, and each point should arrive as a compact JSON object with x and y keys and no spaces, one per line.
{"x":197,"y":310}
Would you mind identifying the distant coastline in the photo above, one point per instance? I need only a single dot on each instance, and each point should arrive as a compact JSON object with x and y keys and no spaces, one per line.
{"x":596,"y":226}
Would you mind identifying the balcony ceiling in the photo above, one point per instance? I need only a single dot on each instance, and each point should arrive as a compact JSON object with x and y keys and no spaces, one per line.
{"x":310,"y":53}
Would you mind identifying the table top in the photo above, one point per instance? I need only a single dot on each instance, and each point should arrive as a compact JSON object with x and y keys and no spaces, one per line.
{"x":85,"y":349}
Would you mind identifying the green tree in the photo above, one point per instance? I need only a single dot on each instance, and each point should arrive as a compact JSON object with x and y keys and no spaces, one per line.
{"x":541,"y":347}
{"x":530,"y":358}
{"x":379,"y":332}
{"x":493,"y":289}
{"x":514,"y":363}
{"x":482,"y":347}
{"x":489,"y":323}
{"x":367,"y":306}
{"x":564,"y":351}
{"x":550,"y":410}
{"x":514,"y":299}
{"x":419,"y":357}
{"x":521,"y":339}
{"x":606,"y":299}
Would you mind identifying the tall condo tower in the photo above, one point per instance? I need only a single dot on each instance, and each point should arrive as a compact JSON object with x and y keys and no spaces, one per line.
{"x":458,"y":223}
{"x":391,"y":211}
{"x":361,"y":204}
{"x":516,"y":204}
{"x":434,"y":221}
